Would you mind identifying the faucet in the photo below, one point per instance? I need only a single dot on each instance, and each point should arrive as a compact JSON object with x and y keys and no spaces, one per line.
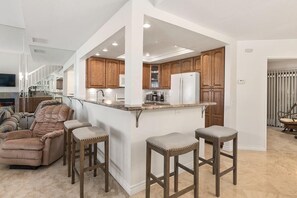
{"x":102,"y":92}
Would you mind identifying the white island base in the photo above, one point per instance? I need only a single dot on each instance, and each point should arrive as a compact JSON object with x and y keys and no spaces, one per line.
{"x":127,"y":142}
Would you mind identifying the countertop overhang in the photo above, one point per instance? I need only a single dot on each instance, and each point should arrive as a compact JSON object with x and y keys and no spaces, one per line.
{"x":122,"y":106}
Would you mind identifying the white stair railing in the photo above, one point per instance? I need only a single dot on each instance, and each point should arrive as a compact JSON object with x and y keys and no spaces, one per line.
{"x":41,"y":73}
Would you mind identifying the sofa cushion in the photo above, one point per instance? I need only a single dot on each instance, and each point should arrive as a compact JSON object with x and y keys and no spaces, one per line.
{"x":8,"y":125}
{"x":4,"y":114}
{"x":8,"y":108}
{"x":23,"y":144}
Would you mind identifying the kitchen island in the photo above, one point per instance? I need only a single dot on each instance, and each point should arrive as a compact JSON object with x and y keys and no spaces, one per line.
{"x":127,"y":140}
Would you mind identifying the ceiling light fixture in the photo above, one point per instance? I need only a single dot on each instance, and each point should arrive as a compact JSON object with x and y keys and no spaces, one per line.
{"x":105,"y":50}
{"x":115,"y":44}
{"x":146,"y":25}
{"x":147,"y":54}
{"x":97,"y":54}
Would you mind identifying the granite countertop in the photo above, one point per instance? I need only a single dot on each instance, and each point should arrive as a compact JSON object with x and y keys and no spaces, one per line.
{"x":147,"y":106}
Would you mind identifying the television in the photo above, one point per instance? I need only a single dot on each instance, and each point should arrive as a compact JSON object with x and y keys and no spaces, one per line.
{"x":7,"y":80}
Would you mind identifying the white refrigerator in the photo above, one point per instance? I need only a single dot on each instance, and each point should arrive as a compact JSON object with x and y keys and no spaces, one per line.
{"x":185,"y":88}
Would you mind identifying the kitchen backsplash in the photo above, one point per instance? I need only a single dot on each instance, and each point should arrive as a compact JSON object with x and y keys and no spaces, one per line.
{"x":119,"y":94}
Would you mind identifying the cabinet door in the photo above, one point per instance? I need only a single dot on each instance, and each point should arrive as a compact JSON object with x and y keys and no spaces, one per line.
{"x":186,"y":65}
{"x":175,"y":67}
{"x":122,"y":67}
{"x":205,"y":95}
{"x":217,"y":111}
{"x":112,"y":68}
{"x":197,"y":64}
{"x":146,"y":76}
{"x":165,"y":78}
{"x":218,"y":68}
{"x":95,"y":74}
{"x":206,"y":70}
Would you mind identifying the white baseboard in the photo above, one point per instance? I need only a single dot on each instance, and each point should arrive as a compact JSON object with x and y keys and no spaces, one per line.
{"x":251,"y":148}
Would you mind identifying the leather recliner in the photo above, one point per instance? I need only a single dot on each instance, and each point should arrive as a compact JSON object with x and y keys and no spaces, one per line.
{"x":42,"y":144}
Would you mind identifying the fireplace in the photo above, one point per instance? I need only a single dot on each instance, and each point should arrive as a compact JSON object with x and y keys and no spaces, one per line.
{"x":7,"y":102}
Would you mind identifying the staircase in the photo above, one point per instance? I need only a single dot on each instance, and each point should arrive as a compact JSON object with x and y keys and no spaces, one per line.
{"x":41,"y":73}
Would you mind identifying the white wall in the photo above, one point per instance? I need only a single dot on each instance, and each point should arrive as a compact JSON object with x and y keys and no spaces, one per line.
{"x":282,"y":64}
{"x":9,"y":63}
{"x":252,"y":96}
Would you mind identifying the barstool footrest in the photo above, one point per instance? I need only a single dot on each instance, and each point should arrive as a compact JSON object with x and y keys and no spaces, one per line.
{"x":226,"y":171}
{"x":204,"y":161}
{"x":226,"y":155}
{"x":183,"y":191}
{"x":186,"y":168}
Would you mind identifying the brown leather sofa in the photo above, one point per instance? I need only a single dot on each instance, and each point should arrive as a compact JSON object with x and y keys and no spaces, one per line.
{"x":42,"y":144}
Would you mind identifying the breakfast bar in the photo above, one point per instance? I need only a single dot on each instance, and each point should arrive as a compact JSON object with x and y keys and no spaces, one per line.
{"x":127,"y":140}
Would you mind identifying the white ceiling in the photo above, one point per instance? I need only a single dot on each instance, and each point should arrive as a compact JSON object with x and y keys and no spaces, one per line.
{"x":64,"y":25}
{"x":163,"y":41}
{"x":240,"y":19}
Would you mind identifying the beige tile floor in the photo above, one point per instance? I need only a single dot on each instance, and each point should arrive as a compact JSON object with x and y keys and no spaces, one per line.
{"x":271,"y":174}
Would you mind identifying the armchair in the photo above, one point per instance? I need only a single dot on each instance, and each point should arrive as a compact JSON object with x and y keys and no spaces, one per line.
{"x":42,"y":144}
{"x":289,"y":119}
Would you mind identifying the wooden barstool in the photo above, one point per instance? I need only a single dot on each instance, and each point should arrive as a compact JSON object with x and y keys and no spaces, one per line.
{"x":173,"y":144}
{"x":69,"y":126}
{"x":84,"y":137}
{"x":216,"y":135}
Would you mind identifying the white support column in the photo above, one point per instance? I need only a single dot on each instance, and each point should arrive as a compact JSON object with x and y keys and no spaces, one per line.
{"x":134,"y":54}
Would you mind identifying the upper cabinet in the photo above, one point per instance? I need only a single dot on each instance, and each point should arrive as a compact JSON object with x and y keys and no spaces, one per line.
{"x":175,"y":67}
{"x":95,"y":73}
{"x":213,"y":68}
{"x":102,"y":73}
{"x":197,"y":64}
{"x":112,"y":71}
{"x":186,"y":65}
{"x":146,"y":76}
{"x":122,"y":67}
{"x":165,"y":76}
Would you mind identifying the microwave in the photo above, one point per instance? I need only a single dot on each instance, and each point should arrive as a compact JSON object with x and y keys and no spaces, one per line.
{"x":122,"y":80}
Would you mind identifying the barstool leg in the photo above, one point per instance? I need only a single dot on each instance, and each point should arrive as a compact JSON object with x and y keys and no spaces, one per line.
{"x":235,"y":160}
{"x":213,"y":160}
{"x":81,"y":169}
{"x":196,"y":172}
{"x":106,"y":144}
{"x":69,"y":142}
{"x":64,"y":148}
{"x":73,"y":163}
{"x":95,"y":159}
{"x":175,"y":173}
{"x":148,"y":171}
{"x":166,"y":174}
{"x":217,"y":166}
{"x":90,"y":155}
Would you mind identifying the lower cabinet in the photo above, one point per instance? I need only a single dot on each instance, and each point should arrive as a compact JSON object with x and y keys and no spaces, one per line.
{"x":214,"y":115}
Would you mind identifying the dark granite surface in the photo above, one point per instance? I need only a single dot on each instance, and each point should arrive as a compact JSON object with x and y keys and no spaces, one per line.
{"x":147,"y":106}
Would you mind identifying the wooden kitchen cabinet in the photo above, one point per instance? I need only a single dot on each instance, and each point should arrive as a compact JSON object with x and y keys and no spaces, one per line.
{"x":212,"y":85}
{"x":197,"y":64}
{"x":165,"y":76}
{"x":112,"y":71}
{"x":146,"y":76}
{"x":175,"y":67}
{"x":95,"y":73}
{"x":213,"y":68}
{"x":186,"y":65}
{"x":214,"y":115}
{"x":122,"y":67}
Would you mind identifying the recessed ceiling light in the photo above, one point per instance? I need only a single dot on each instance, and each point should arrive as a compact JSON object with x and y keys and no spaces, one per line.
{"x":97,"y":54}
{"x":146,"y":25}
{"x":115,"y":44}
{"x":147,"y":54}
{"x":175,"y":46}
{"x":105,"y":50}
